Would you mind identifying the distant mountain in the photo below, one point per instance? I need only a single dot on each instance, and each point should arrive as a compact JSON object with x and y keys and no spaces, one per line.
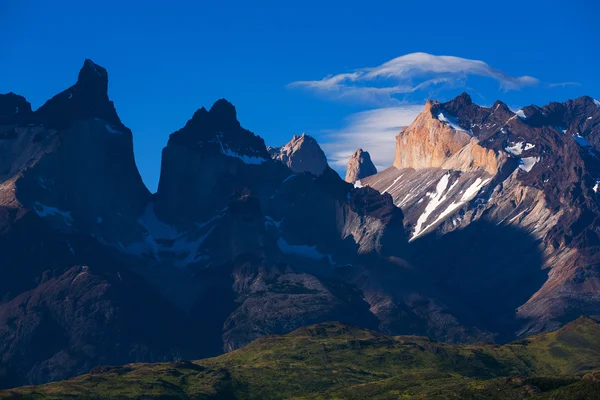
{"x":485,"y":229}
{"x":98,"y":270}
{"x":301,"y":154}
{"x":503,"y":207}
{"x":337,"y":361}
{"x":359,"y":166}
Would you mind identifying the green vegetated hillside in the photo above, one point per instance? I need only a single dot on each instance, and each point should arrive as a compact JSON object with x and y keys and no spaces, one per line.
{"x":337,"y":361}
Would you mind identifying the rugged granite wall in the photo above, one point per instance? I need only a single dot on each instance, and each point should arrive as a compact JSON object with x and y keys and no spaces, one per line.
{"x":359,"y":166}
{"x":91,"y":259}
{"x":461,"y":166}
{"x":500,"y":208}
{"x":436,"y":139}
{"x":301,"y":154}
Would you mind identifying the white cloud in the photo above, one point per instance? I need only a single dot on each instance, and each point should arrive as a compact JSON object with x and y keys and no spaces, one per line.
{"x":563,"y":84}
{"x":373,"y":130}
{"x":408,"y":74}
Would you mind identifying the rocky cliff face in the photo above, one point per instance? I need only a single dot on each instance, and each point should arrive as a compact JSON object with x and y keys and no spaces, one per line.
{"x":500,"y":208}
{"x":437,"y":139}
{"x":359,"y":166}
{"x":206,"y":160}
{"x":301,"y":154}
{"x":460,"y":166}
{"x":74,"y":163}
{"x":92,"y":259}
{"x":69,"y":184}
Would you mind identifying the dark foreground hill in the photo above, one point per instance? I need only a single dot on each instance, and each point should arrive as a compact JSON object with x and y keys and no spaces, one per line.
{"x":338,"y":361}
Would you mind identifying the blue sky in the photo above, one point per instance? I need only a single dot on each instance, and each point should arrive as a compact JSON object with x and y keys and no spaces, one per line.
{"x":167,"y":59}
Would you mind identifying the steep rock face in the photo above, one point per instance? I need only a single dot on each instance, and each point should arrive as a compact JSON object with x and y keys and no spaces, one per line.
{"x":225,"y":213}
{"x":359,"y":166}
{"x":67,"y":305}
{"x":236,"y":245}
{"x":72,"y":162}
{"x":86,"y":99}
{"x":436,"y":139}
{"x":537,"y":176}
{"x":268,"y":248}
{"x":207,"y":160}
{"x":301,"y":154}
{"x":67,"y":175}
{"x":14,"y":109}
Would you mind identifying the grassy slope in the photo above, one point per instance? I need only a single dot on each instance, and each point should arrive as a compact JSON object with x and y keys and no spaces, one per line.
{"x":335,"y":361}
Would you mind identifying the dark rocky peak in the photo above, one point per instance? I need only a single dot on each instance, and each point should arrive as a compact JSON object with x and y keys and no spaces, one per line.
{"x":533,"y":115}
{"x":580,"y":114}
{"x":360,"y":166}
{"x":577,"y":111}
{"x":224,"y":114}
{"x":87,"y":98}
{"x":218,"y":130}
{"x":462,"y":100}
{"x":13,"y":108}
{"x":301,"y":154}
{"x":468,"y":112}
{"x":93,"y":78}
{"x":460,"y":111}
{"x":583,"y":103}
{"x":501,"y":110}
{"x":221,"y":117}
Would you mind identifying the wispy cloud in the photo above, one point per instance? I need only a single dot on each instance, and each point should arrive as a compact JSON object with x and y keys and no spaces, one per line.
{"x":563,"y":84}
{"x":373,"y":130}
{"x":408,"y":74}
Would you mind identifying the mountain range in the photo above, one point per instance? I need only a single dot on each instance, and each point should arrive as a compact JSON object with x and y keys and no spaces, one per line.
{"x":484,"y":229}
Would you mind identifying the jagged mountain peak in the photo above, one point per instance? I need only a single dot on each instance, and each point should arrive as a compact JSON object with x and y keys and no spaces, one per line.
{"x":301,"y":154}
{"x":585,"y":100}
{"x":223,"y":110}
{"x":93,"y":75}
{"x":222,"y":116}
{"x":462,"y":99}
{"x":501,"y":106}
{"x":360,"y":166}
{"x":461,"y":106}
{"x":87,"y":98}
{"x":218,"y":131}
{"x":13,"y":108}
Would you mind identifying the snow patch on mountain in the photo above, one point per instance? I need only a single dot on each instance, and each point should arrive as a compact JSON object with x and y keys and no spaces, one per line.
{"x":112,"y":130}
{"x":469,"y":193}
{"x":393,"y":184}
{"x":452,"y":122}
{"x":517,"y":148}
{"x":527,"y":163}
{"x":299,"y":250}
{"x":269,"y":220}
{"x":437,"y":198}
{"x":162,"y":241}
{"x":246,"y":159}
{"x":46,"y":211}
